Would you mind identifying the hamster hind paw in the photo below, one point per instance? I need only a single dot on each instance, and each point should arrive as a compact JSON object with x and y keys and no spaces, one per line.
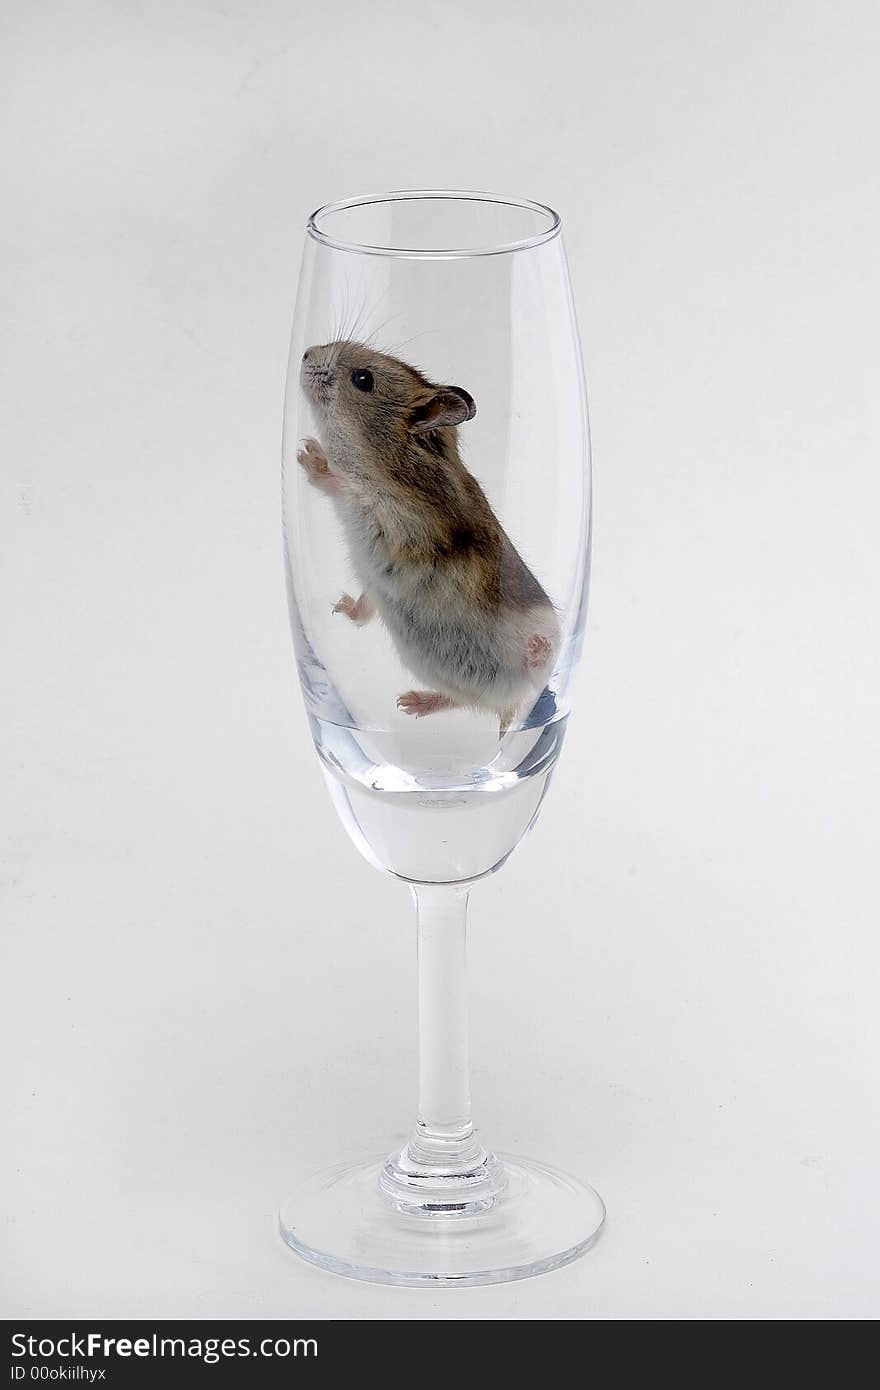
{"x":538,"y":652}
{"x":421,"y":702}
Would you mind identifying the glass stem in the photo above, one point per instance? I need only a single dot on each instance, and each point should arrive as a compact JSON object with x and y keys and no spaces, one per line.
{"x":444,"y":1116}
{"x":444,"y":1167}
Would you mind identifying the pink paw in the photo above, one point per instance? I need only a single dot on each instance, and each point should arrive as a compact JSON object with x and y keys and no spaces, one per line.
{"x":538,"y":652}
{"x":312,"y":458}
{"x":421,"y":702}
{"x":360,"y":610}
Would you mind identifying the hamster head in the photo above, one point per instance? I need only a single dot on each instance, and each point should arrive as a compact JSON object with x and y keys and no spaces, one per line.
{"x":372,"y":406}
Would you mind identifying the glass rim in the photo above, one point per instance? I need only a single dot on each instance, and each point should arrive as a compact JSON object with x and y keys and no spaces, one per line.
{"x":553,"y":228}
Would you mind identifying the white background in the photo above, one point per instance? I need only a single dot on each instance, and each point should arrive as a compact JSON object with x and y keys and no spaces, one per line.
{"x":206,"y":991}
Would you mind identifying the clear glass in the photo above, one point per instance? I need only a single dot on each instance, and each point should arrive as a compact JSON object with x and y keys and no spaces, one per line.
{"x":436,"y":503}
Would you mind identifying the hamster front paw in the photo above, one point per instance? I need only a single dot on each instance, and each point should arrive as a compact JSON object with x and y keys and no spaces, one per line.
{"x":312,"y":458}
{"x":360,"y":610}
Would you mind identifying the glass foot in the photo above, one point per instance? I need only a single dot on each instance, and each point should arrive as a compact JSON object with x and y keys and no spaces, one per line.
{"x":343,"y":1221}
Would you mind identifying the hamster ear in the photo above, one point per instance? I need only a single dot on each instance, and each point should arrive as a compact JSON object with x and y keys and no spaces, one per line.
{"x":450,"y":405}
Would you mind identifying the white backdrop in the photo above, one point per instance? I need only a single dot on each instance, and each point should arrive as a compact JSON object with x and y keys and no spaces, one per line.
{"x":674,"y":982}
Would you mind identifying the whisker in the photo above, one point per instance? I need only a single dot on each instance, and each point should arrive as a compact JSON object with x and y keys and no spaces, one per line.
{"x":370,"y":340}
{"x":358,"y":318}
{"x":394,"y":348}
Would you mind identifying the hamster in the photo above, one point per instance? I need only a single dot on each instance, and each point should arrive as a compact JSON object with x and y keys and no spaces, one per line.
{"x":466,"y":615}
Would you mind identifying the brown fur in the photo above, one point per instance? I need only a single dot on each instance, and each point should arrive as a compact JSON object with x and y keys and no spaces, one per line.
{"x":464,"y":611}
{"x":423,"y":472}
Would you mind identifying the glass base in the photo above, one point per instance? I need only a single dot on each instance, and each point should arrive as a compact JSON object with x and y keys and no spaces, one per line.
{"x":343,"y":1221}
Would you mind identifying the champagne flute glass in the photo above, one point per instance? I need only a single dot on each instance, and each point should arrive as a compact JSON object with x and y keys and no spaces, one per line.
{"x":436,"y":500}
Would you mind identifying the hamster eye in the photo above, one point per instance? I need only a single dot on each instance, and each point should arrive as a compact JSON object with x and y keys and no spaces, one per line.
{"x":362,"y":378}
